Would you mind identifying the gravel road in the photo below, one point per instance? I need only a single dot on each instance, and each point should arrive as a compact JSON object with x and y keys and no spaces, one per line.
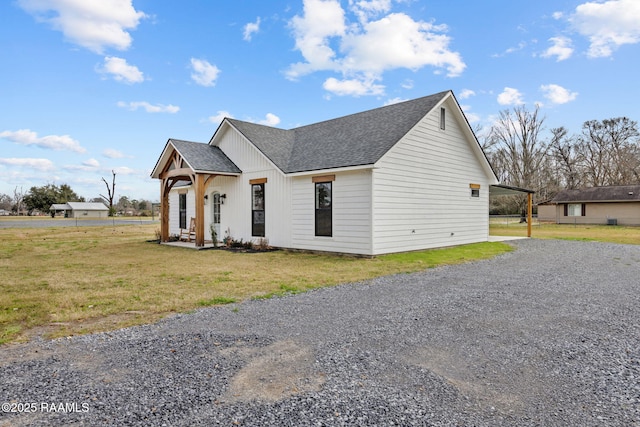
{"x":547,"y":335}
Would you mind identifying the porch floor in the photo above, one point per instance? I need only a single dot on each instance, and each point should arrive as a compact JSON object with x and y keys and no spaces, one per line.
{"x":505,"y":238}
{"x":190,"y":245}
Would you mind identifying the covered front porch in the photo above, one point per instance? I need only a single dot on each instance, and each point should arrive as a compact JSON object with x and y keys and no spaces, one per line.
{"x":196,"y":165}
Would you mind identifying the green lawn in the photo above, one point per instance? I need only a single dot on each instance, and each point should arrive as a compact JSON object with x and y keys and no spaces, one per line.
{"x":71,"y":280}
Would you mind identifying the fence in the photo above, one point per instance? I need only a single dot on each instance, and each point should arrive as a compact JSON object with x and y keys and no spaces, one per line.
{"x":518,"y":221}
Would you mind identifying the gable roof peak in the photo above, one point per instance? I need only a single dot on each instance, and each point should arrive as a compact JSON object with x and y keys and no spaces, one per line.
{"x":353,"y":140}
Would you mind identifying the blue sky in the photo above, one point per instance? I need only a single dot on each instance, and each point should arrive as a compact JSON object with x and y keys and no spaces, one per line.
{"x":91,"y":86}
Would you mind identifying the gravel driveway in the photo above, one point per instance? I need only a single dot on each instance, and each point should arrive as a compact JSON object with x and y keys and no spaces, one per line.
{"x":547,"y":335}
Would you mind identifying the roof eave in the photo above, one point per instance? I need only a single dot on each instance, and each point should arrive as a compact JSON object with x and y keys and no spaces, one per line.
{"x":330,"y":170}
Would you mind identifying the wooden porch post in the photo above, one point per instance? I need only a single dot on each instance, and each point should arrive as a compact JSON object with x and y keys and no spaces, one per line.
{"x":529,"y":213}
{"x":200,"y":188}
{"x":164,"y":210}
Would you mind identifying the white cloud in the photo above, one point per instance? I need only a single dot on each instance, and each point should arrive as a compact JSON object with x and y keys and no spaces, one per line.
{"x":121,"y":71}
{"x":510,"y":50}
{"x":204,"y":73}
{"x":53,"y":142}
{"x":397,"y":41}
{"x":270,"y":120}
{"x":561,"y":48}
{"x":466,"y":93}
{"x":113,"y":154}
{"x":84,"y":167}
{"x":367,"y":9}
{"x":220,"y":115}
{"x":38,"y":164}
{"x":322,"y":20}
{"x":149,"y":108}
{"x":394,"y":101}
{"x":471,"y":117}
{"x":250,"y":29}
{"x":608,"y":25}
{"x":353,"y":87}
{"x":510,"y":96}
{"x":95,"y":25}
{"x":557,"y":15}
{"x":362,"y":51}
{"x":407,"y":84}
{"x":92,"y":163}
{"x":124,"y":170}
{"x":557,"y":94}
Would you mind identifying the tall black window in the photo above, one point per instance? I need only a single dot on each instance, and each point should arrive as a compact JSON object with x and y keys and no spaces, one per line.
{"x":323,"y":209}
{"x":182,"y":208}
{"x":257,"y":210}
{"x":442,"y":118}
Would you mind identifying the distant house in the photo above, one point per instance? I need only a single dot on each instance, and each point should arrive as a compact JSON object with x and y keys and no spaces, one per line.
{"x":407,"y":176}
{"x":596,"y":205}
{"x":80,"y":210}
{"x":4,"y":212}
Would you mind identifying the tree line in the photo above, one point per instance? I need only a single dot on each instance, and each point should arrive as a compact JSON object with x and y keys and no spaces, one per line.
{"x":605,"y":152}
{"x":40,"y":198}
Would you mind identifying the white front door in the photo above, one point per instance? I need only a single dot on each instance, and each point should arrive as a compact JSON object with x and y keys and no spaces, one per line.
{"x":216,"y":215}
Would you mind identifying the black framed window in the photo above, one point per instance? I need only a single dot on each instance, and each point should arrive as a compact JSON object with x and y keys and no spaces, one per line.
{"x":442,"y":118}
{"x":182,"y":209}
{"x":324,"y":203}
{"x":257,"y":210}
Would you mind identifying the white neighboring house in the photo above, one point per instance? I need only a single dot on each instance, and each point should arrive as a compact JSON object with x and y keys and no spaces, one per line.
{"x":81,"y":209}
{"x":403,"y":177}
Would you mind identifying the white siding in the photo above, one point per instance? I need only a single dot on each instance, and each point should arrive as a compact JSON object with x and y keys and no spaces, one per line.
{"x":236,"y":211}
{"x":421,"y":194}
{"x":174,"y":208}
{"x":351,"y":204}
{"x":89,"y":214}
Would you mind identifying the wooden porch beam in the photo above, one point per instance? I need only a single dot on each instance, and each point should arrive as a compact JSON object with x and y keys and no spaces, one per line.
{"x":529,"y":213}
{"x":164,"y":211}
{"x":175,"y":173}
{"x":199,"y":190}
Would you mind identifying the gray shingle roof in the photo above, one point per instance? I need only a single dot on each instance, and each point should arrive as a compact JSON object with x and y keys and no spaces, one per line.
{"x":617,"y":193}
{"x":204,"y":157}
{"x":88,"y":206}
{"x":354,"y":140}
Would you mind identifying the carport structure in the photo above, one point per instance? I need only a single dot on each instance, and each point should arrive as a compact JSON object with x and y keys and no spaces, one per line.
{"x":507,"y":190}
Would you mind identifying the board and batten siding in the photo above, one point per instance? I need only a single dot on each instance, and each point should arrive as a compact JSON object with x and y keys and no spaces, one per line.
{"x":235,"y":213}
{"x":351,"y":214}
{"x":174,"y":208}
{"x":421,"y":189}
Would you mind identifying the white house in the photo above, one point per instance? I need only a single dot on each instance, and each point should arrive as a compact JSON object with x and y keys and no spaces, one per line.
{"x":81,"y":209}
{"x":403,"y":177}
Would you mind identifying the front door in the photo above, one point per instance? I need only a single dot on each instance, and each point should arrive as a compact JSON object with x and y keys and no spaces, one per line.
{"x":216,"y":215}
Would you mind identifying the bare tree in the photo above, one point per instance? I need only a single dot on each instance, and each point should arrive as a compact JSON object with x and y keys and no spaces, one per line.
{"x":518,"y":155}
{"x":5,"y":202}
{"x":111,"y":192}
{"x":18,"y":198}
{"x":567,"y":158}
{"x":611,"y":152}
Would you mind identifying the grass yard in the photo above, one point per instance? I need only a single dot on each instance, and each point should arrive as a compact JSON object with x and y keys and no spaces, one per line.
{"x":72,"y":280}
{"x":601,"y":233}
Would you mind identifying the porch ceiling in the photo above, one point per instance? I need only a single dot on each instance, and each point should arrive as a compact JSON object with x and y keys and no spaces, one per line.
{"x":507,"y":190}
